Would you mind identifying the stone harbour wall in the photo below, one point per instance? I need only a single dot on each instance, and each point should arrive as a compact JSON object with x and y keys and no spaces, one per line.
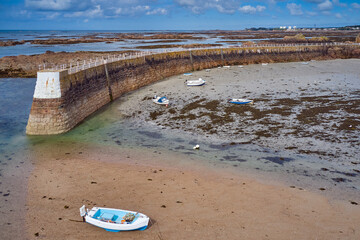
{"x":62,"y":101}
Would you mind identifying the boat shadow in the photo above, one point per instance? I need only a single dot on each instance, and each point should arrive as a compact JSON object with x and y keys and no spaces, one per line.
{"x":152,"y":222}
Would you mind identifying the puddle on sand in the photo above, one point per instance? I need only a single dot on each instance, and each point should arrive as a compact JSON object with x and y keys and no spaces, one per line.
{"x":279,"y":160}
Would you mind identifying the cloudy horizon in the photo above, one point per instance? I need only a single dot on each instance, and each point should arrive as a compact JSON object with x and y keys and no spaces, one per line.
{"x":174,"y":14}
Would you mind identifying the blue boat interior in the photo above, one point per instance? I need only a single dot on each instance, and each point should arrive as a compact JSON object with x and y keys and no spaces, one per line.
{"x":112,"y":215}
{"x":162,"y":99}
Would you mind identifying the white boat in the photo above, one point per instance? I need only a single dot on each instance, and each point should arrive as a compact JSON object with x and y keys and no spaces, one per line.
{"x":198,"y":82}
{"x":160,"y":100}
{"x":240,"y":101}
{"x":114,"y":220}
{"x":187,"y":74}
{"x":264,"y":64}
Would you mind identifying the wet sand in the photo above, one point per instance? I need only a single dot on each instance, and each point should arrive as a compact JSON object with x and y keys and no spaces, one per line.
{"x":190,"y":202}
{"x":307,"y":108}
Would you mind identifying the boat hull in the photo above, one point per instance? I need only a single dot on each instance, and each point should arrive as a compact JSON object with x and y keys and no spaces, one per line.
{"x":192,"y":85}
{"x":111,"y":219}
{"x":240,"y":101}
{"x":199,"y":82}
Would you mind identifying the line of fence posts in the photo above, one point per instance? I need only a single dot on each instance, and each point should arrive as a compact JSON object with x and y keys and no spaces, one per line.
{"x":112,"y":58}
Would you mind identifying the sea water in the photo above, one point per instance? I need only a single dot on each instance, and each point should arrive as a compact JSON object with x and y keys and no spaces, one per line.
{"x":127,"y":44}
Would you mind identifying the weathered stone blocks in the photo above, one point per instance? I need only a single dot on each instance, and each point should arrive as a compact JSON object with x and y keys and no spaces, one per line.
{"x":62,"y":100}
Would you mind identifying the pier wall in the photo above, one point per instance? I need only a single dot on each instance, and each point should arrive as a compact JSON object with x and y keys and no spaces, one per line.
{"x":62,"y":100}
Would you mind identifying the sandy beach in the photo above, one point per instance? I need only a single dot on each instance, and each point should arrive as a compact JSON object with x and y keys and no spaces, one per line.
{"x":308,"y":110}
{"x":186,"y":203}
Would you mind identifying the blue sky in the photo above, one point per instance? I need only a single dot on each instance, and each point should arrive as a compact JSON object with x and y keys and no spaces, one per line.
{"x":174,"y":14}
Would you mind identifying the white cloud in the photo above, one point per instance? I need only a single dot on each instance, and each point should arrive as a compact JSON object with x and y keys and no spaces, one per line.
{"x":157,"y":11}
{"x":56,"y":5}
{"x":355,"y":5}
{"x":326,"y":13}
{"x":314,"y":1}
{"x":90,"y":13}
{"x":275,"y":1}
{"x":251,"y":10}
{"x":96,"y":8}
{"x":338,"y":3}
{"x":295,"y":9}
{"x":23,"y":13}
{"x":48,"y":4}
{"x":338,"y":15}
{"x":97,"y":11}
{"x":325,"y":6}
{"x":311,"y":13}
{"x":135,"y":10}
{"x":52,"y":15}
{"x":199,"y":6}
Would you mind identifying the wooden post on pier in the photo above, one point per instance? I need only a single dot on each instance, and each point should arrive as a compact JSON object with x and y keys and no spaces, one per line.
{"x":191,"y":61}
{"x":108,"y":81}
{"x":222,"y":58}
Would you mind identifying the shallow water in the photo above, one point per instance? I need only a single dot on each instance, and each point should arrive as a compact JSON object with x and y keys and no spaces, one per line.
{"x":127,"y":44}
{"x":15,"y":163}
{"x":29,"y":49}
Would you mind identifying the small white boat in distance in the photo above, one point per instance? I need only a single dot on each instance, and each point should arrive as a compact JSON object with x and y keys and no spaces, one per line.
{"x":160,"y":100}
{"x":187,"y":74}
{"x":198,"y":82}
{"x":305,"y":63}
{"x":264,"y":64}
{"x":240,"y":101}
{"x":114,"y":220}
{"x":196,"y":147}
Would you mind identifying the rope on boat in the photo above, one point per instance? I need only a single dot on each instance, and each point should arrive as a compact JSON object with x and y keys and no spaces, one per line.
{"x":159,"y":234}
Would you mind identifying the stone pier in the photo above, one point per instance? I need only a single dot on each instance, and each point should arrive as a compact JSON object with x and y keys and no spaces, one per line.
{"x":62,"y":100}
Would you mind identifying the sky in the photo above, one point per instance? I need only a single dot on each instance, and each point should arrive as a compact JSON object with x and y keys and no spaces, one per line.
{"x":174,"y":14}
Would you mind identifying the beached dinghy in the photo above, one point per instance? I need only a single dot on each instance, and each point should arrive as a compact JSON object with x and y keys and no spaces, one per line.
{"x":198,"y":82}
{"x":160,"y":100}
{"x":115,"y":220}
{"x":240,"y":101}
